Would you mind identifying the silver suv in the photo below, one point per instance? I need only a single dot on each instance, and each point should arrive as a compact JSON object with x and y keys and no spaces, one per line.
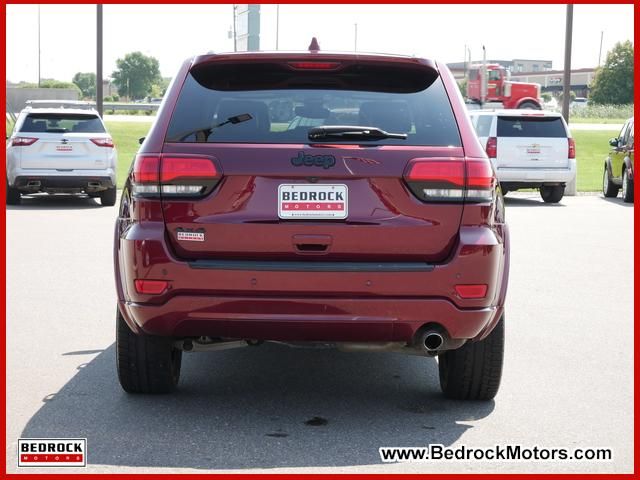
{"x":528,"y":149}
{"x":60,"y":150}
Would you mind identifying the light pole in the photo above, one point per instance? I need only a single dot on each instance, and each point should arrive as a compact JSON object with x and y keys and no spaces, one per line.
{"x":566,"y":87}
{"x":277,"y":24}
{"x":600,"y":53}
{"x":99,"y":96}
{"x":355,"y":37}
{"x":235,"y":44}
{"x":39,"y":46}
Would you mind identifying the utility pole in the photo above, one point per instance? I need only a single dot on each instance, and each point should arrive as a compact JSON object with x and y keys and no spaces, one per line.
{"x":483,"y":83}
{"x":277,"y":24}
{"x":39,"y":76}
{"x":355,"y":37}
{"x":99,"y":96}
{"x":235,"y":43}
{"x":465,"y":61}
{"x":566,"y":87}
{"x":600,"y":53}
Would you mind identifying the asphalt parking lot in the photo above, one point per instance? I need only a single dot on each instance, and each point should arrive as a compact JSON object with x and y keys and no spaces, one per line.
{"x":568,"y":379}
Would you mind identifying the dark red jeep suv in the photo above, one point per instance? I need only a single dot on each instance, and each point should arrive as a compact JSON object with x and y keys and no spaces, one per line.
{"x":312,"y":198}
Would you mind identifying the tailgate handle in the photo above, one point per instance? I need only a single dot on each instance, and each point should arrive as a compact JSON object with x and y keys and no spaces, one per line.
{"x":311,"y":244}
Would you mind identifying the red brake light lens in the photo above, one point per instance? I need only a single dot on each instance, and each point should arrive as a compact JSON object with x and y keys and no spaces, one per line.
{"x":23,"y":141}
{"x":174,"y":168}
{"x":471,"y":291}
{"x":492,"y":147}
{"x":151,"y":287}
{"x":479,"y":174}
{"x":437,"y":171}
{"x":146,"y":169}
{"x":103,"y":142}
{"x":174,"y":176}
{"x":572,"y":148}
{"x":314,"y":65}
{"x":451,"y":180}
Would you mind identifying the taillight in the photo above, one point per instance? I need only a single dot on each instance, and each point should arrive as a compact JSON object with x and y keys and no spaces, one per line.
{"x":103,"y":142}
{"x":23,"y":141}
{"x":451,"y":180}
{"x":492,"y":147}
{"x":174,"y":175}
{"x":314,"y":65}
{"x":572,"y":148}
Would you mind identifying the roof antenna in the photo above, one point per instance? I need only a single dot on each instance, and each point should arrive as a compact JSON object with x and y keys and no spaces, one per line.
{"x":313,"y":46}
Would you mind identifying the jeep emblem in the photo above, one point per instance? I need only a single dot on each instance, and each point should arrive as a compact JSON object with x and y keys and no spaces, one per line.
{"x":324,"y":161}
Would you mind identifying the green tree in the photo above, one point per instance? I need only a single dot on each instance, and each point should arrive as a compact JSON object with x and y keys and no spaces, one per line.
{"x":462,"y":85}
{"x":86,"y":82}
{"x":136,"y":74}
{"x":613,"y":82}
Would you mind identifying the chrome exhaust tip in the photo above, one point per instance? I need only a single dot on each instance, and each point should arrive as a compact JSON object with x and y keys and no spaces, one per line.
{"x":433,"y":341}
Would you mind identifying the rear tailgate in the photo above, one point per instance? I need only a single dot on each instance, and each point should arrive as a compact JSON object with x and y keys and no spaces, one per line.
{"x":241,"y":219}
{"x":532,"y":142}
{"x":64,"y":140}
{"x":274,"y":181}
{"x":68,"y":151}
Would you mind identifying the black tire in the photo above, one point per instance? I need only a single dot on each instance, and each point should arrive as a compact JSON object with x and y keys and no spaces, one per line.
{"x":552,"y":193}
{"x":473,"y":371}
{"x":627,"y":187}
{"x":108,"y":197}
{"x":529,"y":106}
{"x":13,"y":195}
{"x":146,"y":364}
{"x":609,"y":189}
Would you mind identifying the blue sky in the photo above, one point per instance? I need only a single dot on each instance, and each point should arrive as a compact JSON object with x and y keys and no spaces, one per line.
{"x":172,"y":33}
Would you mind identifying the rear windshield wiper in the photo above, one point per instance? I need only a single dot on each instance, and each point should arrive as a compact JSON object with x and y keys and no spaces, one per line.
{"x":203,"y":133}
{"x":349,"y":132}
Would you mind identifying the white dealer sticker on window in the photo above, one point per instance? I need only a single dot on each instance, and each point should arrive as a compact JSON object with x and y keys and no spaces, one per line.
{"x":312,"y":201}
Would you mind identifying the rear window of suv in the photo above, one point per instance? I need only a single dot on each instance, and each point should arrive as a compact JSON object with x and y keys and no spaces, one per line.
{"x":549,"y":127}
{"x":61,"y":123}
{"x":284,"y":107}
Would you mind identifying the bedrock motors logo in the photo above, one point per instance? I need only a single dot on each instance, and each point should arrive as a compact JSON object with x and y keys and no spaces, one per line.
{"x":52,"y":452}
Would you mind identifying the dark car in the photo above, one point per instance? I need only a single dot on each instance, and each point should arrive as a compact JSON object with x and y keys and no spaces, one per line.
{"x":385,"y":233}
{"x":618,"y":166}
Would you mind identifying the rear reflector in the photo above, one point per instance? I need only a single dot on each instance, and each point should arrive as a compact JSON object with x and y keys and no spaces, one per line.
{"x":103,"y":142}
{"x":23,"y":141}
{"x":451,"y":180}
{"x":151,"y":287}
{"x":173,"y":175}
{"x":572,"y":148}
{"x":471,"y":291}
{"x":314,"y":65}
{"x":492,"y":147}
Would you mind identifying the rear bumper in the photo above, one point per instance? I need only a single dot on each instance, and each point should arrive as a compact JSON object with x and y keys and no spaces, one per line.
{"x":306,"y":319}
{"x":537,"y":176}
{"x":309,"y":304}
{"x":64,"y":183}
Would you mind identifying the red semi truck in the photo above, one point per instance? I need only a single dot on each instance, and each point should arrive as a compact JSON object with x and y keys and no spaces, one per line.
{"x":500,"y":89}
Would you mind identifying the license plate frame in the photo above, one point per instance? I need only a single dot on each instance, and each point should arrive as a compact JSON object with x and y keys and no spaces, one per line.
{"x":313,"y":201}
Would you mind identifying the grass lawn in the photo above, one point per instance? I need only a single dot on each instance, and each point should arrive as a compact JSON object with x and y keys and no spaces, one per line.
{"x":125,"y":136}
{"x":591,"y":147}
{"x":606,"y":121}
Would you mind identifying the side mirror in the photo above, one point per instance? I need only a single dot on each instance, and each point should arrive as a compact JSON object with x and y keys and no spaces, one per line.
{"x":613,"y":142}
{"x":141,"y":139}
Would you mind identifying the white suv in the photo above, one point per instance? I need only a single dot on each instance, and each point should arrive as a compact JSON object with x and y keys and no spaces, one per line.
{"x":528,"y":149}
{"x":61,"y":150}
